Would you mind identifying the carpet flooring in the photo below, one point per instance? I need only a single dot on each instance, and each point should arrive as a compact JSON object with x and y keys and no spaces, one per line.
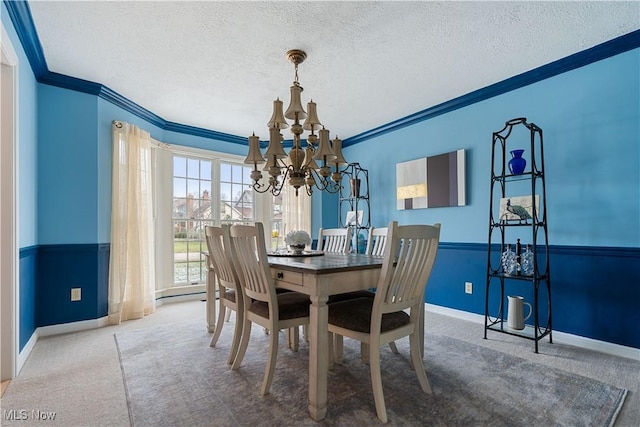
{"x":172,"y":377}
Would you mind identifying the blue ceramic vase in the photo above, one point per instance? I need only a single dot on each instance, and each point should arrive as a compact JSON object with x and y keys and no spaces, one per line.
{"x":517,"y":163}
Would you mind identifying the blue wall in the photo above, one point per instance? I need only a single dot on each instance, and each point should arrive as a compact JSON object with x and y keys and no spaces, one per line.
{"x":67,"y":164}
{"x":590,"y":118}
{"x":27,"y":184}
{"x":591,"y":122}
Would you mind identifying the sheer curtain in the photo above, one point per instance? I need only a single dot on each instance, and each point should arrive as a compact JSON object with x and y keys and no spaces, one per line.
{"x":296,"y":210}
{"x":131,"y":263}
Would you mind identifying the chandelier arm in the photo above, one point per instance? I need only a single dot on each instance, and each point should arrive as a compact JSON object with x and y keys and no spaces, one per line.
{"x":324,"y":183}
{"x":302,"y":170}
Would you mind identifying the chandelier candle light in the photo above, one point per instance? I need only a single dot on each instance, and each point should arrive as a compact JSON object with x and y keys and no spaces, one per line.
{"x":303,"y":170}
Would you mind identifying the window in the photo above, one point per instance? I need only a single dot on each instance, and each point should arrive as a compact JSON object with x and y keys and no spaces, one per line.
{"x":197,"y":203}
{"x":192,"y":180}
{"x":236,"y":196}
{"x":196,"y":188}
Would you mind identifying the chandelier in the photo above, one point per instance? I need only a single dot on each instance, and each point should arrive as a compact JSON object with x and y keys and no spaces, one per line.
{"x":309,"y":167}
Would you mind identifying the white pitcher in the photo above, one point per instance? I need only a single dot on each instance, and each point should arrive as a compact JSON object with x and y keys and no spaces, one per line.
{"x":515,"y":314}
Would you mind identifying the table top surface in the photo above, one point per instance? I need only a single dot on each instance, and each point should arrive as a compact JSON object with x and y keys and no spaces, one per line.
{"x":327,"y":263}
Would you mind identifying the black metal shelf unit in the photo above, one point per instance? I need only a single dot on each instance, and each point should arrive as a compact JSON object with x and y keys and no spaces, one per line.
{"x":354,"y":199}
{"x":508,"y":224}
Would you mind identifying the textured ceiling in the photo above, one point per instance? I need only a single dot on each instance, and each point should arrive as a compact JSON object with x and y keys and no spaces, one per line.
{"x":220,"y":65}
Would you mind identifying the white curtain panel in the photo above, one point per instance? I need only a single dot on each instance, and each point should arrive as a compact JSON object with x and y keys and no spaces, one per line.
{"x":131,"y":263}
{"x":296,"y":210}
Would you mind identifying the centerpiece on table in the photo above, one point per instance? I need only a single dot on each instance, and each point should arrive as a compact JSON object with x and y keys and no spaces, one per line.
{"x":297,"y":240}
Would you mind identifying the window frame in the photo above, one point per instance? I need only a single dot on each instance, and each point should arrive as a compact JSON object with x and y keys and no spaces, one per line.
{"x":163,"y":155}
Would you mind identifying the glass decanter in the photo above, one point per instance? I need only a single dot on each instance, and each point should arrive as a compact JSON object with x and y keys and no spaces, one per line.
{"x":527,"y":262}
{"x":508,"y":261}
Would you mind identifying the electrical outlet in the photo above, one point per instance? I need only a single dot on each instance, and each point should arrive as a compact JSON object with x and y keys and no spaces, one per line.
{"x":468,"y":287}
{"x":76,"y":294}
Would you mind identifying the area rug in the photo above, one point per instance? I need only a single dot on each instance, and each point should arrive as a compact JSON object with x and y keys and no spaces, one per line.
{"x":173,"y":378}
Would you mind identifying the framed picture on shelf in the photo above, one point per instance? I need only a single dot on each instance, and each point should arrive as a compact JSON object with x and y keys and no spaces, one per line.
{"x":355,"y":218}
{"x":518,"y":208}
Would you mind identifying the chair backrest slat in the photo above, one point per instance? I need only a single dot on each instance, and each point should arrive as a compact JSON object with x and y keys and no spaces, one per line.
{"x":220,"y":257}
{"x":409,"y":258}
{"x":335,"y":240}
{"x":377,"y":240}
{"x":250,"y":258}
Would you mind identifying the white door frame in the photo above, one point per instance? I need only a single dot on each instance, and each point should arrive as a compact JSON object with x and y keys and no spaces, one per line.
{"x":9,"y":254}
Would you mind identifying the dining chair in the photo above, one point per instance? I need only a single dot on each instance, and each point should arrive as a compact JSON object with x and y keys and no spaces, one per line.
{"x":334,"y":240}
{"x":269,"y":309}
{"x":408,"y":261}
{"x":376,"y":243}
{"x":230,"y":294}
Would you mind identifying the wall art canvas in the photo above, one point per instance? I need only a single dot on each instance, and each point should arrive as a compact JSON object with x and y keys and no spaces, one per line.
{"x":430,"y":182}
{"x":518,"y":209}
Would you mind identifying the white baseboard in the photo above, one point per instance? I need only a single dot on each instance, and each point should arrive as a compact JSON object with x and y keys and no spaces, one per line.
{"x":26,"y":351}
{"x":559,"y":337}
{"x":65,"y":328}
{"x":180,"y":298}
{"x":452,"y":312}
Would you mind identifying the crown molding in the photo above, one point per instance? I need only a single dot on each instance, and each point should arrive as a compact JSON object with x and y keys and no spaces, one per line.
{"x":602,"y":51}
{"x":205,"y":133}
{"x":20,"y":15}
{"x":22,"y":21}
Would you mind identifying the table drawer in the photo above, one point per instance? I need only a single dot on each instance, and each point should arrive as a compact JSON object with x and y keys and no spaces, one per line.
{"x":292,"y":277}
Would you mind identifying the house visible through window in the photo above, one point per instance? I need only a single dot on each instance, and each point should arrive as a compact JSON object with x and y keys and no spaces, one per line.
{"x":197,"y":188}
{"x":236,"y":196}
{"x":192,"y":212}
{"x":197,"y":203}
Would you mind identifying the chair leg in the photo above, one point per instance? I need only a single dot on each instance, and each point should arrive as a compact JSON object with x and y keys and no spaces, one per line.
{"x":392,"y":346}
{"x":218,"y":329}
{"x":211,"y":300}
{"x":376,"y":381}
{"x":271,"y":363}
{"x":416,"y":358}
{"x":293,"y":338}
{"x":420,"y":337}
{"x":244,"y":342}
{"x":228,"y":316}
{"x":364,"y":352}
{"x":338,"y":348}
{"x":237,"y":335}
{"x":332,"y":355}
{"x":421,"y":331}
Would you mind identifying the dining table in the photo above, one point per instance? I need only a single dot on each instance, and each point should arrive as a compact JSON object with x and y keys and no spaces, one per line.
{"x":321,"y":275}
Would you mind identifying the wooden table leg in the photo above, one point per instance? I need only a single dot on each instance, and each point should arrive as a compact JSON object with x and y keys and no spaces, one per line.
{"x":318,"y":357}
